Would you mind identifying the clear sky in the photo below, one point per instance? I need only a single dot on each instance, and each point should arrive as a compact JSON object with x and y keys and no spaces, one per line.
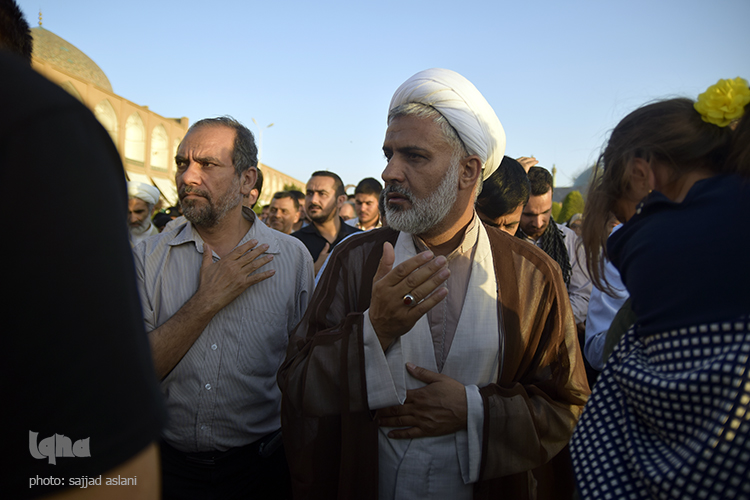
{"x":559,"y":74}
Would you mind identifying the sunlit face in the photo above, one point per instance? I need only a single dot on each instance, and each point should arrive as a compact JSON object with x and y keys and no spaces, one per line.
{"x":508,"y":222}
{"x":283,"y":215}
{"x":137,"y":212}
{"x":206,"y":181}
{"x":421,"y":178}
{"x":366,"y":206}
{"x":536,"y":215}
{"x":321,"y":203}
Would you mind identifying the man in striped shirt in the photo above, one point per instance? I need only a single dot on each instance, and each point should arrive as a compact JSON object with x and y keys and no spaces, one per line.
{"x":220,"y":294}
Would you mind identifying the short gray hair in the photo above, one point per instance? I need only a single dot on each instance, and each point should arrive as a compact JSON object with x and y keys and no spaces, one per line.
{"x":244,"y":151}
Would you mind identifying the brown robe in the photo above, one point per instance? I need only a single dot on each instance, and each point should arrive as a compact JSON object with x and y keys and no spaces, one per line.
{"x":330,"y":436}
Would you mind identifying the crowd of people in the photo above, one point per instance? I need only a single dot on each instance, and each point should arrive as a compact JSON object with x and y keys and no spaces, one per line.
{"x":437,"y":335}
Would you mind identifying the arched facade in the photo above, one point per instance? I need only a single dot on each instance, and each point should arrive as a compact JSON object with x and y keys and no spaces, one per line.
{"x":144,"y":139}
{"x":147,"y":141}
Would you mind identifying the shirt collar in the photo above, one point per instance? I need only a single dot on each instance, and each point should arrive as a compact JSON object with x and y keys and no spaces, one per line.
{"x":257,"y":231}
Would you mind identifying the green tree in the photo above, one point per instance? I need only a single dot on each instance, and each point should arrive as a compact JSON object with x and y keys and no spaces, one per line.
{"x":556,"y":207}
{"x":573,"y":204}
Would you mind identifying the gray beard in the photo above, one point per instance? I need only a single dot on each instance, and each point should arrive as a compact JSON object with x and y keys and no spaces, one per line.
{"x":425,"y":213}
{"x":142,"y":227}
{"x":209,"y":214}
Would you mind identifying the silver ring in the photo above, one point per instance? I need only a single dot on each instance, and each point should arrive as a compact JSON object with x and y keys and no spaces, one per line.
{"x":409,"y":300}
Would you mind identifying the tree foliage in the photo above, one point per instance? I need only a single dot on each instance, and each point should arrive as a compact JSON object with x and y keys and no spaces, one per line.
{"x":556,"y":207}
{"x":573,"y":204}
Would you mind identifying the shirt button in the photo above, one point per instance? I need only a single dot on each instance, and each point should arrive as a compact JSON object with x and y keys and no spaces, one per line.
{"x":214,"y":347}
{"x":208,"y":387}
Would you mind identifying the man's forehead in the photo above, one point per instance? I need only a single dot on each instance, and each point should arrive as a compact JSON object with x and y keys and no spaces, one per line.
{"x":208,"y":137}
{"x":281,"y":202}
{"x":320,"y":183}
{"x":365,"y":197}
{"x":409,"y":131}
{"x":538,"y":204}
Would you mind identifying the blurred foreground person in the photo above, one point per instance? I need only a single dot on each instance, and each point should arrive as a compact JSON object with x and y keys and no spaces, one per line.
{"x":83,"y":412}
{"x":438,"y":357}
{"x":669,"y":412}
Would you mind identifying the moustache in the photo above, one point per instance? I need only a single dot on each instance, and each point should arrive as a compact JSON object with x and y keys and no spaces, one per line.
{"x":186,"y":190}
{"x":396,"y":189}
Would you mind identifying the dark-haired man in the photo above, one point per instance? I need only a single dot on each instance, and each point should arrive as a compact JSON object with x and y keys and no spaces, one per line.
{"x":324,"y":197}
{"x":283,"y":212}
{"x":366,"y":197}
{"x":220,"y":293}
{"x":557,"y":240}
{"x":503,"y":196}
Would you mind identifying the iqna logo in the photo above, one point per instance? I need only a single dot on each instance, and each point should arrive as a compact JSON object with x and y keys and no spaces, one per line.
{"x":57,"y":446}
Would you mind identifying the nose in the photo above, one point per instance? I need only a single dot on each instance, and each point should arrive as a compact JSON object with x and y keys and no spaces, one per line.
{"x":393,"y":172}
{"x":191,"y":175}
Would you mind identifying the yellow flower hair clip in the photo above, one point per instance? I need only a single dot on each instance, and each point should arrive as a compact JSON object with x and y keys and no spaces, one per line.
{"x":723,"y":102}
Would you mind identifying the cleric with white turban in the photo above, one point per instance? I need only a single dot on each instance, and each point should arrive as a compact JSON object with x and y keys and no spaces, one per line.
{"x":141,"y":200}
{"x":465,"y":108}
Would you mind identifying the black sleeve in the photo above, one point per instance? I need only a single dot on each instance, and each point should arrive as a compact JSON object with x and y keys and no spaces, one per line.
{"x":77,"y":370}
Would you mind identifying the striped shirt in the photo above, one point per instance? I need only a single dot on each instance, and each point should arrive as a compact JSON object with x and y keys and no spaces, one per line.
{"x":223,"y":393}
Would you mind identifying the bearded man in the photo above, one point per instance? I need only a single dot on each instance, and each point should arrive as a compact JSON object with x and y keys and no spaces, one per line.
{"x":557,"y":241}
{"x":323,"y":200}
{"x":220,"y":293}
{"x":438,"y":356}
{"x":141,"y":200}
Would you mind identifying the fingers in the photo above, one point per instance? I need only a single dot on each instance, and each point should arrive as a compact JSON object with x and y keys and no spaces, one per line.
{"x":386,"y":262}
{"x":423,"y":374}
{"x":421,"y":283}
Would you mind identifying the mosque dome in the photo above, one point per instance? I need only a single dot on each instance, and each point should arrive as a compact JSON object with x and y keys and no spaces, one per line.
{"x":54,"y":50}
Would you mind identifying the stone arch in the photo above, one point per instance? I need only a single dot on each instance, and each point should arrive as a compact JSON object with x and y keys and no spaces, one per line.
{"x":107,"y":116}
{"x":135,"y":138}
{"x":70,"y":89}
{"x":159,"y":148}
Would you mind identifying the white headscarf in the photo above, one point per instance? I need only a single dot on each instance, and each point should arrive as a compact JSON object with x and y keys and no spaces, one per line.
{"x":146,"y":192}
{"x":465,"y":108}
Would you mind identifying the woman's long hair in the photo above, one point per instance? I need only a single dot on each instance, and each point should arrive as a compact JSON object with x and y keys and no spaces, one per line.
{"x":672,"y":133}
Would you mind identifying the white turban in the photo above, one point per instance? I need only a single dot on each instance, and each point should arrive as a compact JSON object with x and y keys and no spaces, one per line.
{"x":459,"y":101}
{"x":146,"y":192}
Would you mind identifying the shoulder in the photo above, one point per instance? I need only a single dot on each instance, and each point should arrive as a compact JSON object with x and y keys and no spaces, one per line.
{"x":347,"y":229}
{"x":568,"y":233}
{"x":523,"y":256}
{"x":285,"y":243}
{"x":175,"y":233}
{"x":304,"y":232}
{"x":365,"y":241}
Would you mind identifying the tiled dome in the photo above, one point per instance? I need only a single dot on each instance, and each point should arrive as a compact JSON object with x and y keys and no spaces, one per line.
{"x":53,"y":49}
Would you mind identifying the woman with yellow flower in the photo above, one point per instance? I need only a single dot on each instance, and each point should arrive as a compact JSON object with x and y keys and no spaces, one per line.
{"x":669,"y":416}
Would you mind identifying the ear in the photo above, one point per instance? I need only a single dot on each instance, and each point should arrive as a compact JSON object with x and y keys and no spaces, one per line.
{"x":247,"y":181}
{"x":470,"y":172}
{"x":340,"y":200}
{"x":641,"y":178}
